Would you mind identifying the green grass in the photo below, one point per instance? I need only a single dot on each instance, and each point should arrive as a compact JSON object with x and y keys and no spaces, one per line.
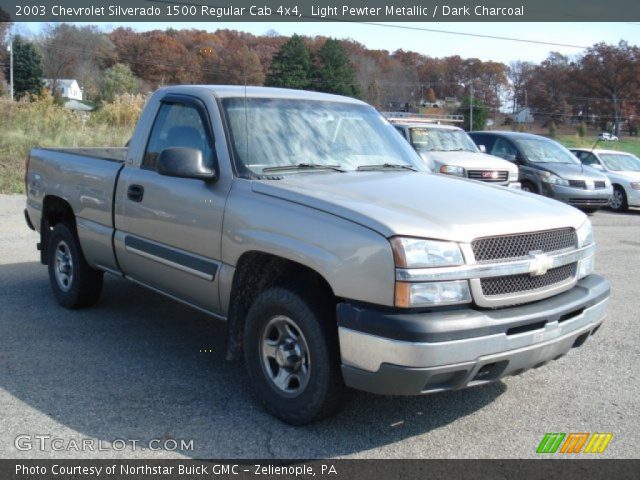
{"x":25,"y":125}
{"x":626,"y":144}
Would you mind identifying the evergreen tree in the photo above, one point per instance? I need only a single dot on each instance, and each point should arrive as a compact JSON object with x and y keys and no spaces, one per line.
{"x":480,"y":113}
{"x":334,"y":72}
{"x":27,"y":68}
{"x":291,"y":65}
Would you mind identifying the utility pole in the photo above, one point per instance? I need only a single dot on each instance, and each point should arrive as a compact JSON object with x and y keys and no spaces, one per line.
{"x":471,"y":106}
{"x":11,"y":67}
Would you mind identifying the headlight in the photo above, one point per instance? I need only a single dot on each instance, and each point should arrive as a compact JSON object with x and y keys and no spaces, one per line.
{"x":635,"y":185}
{"x":585,"y":234}
{"x":419,"y":253}
{"x":607,"y":182}
{"x":513,"y":176}
{"x":432,"y":293}
{"x":452,"y":170}
{"x":554,"y":179}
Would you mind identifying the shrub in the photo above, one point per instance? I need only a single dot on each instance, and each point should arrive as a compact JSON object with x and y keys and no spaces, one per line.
{"x":582,"y":130}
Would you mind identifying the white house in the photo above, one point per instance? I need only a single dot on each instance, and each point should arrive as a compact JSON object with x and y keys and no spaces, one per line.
{"x":65,"y":87}
{"x":523,"y":116}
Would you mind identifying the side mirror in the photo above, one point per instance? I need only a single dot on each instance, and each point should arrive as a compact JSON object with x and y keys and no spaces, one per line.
{"x":482,"y":148}
{"x":184,"y":162}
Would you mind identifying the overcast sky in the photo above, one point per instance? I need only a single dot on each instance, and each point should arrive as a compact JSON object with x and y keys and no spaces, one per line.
{"x":435,"y":44}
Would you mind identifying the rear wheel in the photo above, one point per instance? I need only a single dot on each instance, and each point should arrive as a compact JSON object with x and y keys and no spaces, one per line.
{"x":618,"y":201}
{"x":74,"y":283}
{"x":292,"y":355}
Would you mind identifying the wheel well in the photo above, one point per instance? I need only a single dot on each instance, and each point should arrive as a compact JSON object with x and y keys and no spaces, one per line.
{"x":54,"y":210}
{"x":534,"y":187}
{"x":257,"y":271}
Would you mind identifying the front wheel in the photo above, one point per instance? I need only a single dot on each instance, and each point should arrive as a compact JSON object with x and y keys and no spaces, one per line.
{"x":618,"y":201}
{"x":74,"y":283}
{"x":528,"y":187}
{"x":292,"y":355}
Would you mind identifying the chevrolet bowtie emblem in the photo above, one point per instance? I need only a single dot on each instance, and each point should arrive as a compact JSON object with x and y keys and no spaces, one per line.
{"x":539,"y":264}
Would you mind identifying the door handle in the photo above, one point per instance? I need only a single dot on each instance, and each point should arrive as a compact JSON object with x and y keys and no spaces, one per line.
{"x":135,"y":193}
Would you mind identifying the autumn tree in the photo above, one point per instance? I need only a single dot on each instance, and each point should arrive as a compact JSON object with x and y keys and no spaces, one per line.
{"x":518,"y":73}
{"x":81,"y":53}
{"x":238,"y":65}
{"x":431,"y":95}
{"x":611,"y":72}
{"x":333,"y":72}
{"x":156,"y":57}
{"x":548,"y":88}
{"x":118,"y":80}
{"x":27,"y":68}
{"x":291,"y":66}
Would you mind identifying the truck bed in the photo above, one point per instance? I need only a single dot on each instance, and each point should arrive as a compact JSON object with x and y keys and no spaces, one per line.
{"x":85,"y":178}
{"x":112,"y":154}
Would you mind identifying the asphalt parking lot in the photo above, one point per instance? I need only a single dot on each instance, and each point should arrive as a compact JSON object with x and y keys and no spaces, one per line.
{"x":133,"y":368}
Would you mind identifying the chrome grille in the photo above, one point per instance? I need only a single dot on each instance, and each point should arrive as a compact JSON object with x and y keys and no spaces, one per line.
{"x":488,"y":175}
{"x":514,"y":284}
{"x":509,"y":247}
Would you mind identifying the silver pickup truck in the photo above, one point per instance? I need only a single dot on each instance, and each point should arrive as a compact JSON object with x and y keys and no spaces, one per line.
{"x":312,"y":228}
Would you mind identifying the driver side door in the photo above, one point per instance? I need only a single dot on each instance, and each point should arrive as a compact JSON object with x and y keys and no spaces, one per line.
{"x":169,"y":231}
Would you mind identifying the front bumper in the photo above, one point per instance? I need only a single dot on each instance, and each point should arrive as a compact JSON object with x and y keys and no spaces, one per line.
{"x":393,"y":353}
{"x":633,"y":197}
{"x":579,"y":197}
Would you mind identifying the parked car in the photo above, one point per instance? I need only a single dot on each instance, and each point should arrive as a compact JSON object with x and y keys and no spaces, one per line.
{"x":548,"y":168}
{"x":312,"y":228}
{"x":607,"y":137}
{"x":622,"y":169}
{"x":449,"y":150}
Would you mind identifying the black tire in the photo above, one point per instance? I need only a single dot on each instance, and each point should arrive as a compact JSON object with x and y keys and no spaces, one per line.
{"x":320,"y":395}
{"x":618,"y":202}
{"x":81,"y":285}
{"x":528,"y":187}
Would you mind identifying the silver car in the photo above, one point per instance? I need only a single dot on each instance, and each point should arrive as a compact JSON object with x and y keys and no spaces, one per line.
{"x":622,"y":168}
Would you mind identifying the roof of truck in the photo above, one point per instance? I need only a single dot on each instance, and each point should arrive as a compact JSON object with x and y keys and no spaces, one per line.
{"x":433,"y":126}
{"x":234,"y":91}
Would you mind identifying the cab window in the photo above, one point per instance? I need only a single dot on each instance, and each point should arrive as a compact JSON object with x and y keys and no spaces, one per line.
{"x":176,"y":125}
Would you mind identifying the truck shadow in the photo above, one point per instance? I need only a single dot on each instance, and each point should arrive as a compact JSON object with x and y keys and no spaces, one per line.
{"x":139,"y":366}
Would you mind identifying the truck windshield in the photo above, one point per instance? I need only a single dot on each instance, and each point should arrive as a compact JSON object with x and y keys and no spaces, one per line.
{"x":620,"y":162}
{"x":543,"y":150}
{"x":267,"y":133}
{"x":425,"y":139}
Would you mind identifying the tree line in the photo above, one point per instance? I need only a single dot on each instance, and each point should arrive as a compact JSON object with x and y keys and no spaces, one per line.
{"x":601,"y":86}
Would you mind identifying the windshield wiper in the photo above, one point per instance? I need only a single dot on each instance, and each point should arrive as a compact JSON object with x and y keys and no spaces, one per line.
{"x":386,"y":166}
{"x":303,"y":166}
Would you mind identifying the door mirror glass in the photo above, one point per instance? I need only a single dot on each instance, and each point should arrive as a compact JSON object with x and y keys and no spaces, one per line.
{"x":184,"y":162}
{"x":482,"y":148}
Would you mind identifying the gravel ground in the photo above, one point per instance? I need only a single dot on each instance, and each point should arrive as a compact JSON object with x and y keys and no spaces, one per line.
{"x":133,"y":368}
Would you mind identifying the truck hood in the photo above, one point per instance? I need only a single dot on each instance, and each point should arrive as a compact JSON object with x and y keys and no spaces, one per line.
{"x":421,"y":204}
{"x":471,"y":160}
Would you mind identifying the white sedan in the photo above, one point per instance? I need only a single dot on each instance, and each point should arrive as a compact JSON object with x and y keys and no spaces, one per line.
{"x":622,"y":168}
{"x":607,"y":137}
